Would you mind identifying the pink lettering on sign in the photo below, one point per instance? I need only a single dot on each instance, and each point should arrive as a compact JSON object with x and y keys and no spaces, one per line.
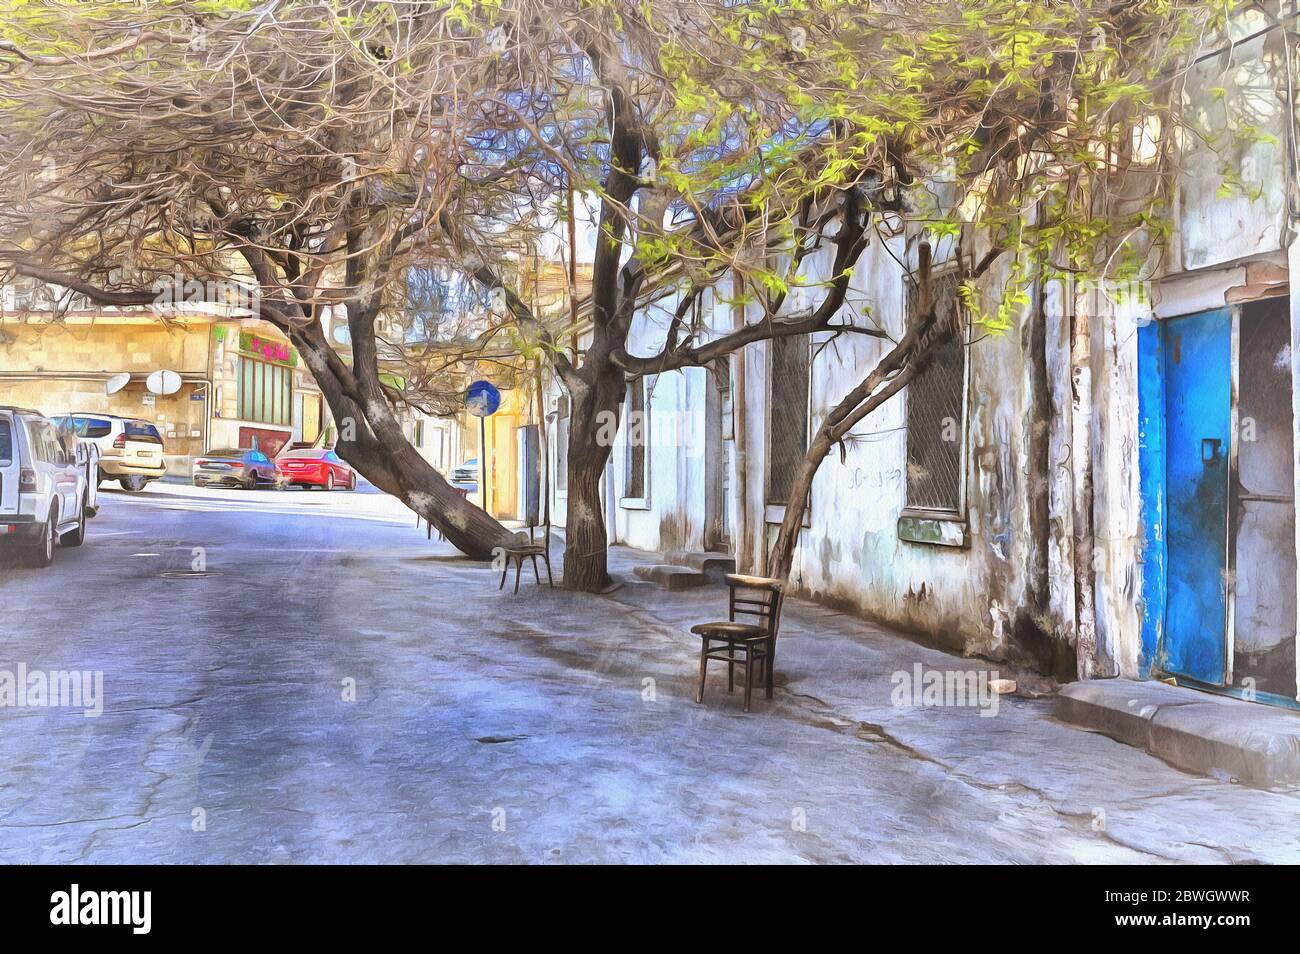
{"x":273,"y":350}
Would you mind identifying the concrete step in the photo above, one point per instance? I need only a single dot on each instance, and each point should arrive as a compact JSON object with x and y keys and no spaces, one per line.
{"x":713,"y":565}
{"x":671,"y":576}
{"x":1199,"y":731}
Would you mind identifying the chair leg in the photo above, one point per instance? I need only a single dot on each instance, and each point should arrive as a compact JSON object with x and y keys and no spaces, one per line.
{"x":536,"y":576}
{"x":749,"y":675}
{"x":770,"y":665}
{"x":704,"y":666}
{"x":505,"y":568}
{"x":547,"y":561}
{"x":519,"y":568}
{"x":731,"y":668}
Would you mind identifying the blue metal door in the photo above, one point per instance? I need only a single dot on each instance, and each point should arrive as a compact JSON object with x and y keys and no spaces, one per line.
{"x":1198,"y":425}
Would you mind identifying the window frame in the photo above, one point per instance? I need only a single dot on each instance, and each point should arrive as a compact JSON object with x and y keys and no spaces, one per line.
{"x":265,"y":392}
{"x":774,"y":513}
{"x":563,"y":422}
{"x":939,"y":526}
{"x":626,"y":501}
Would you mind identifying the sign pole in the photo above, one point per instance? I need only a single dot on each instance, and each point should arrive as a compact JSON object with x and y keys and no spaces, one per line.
{"x":482,"y":462}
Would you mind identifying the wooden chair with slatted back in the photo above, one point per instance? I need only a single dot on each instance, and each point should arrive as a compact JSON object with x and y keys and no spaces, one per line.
{"x":739,"y":642}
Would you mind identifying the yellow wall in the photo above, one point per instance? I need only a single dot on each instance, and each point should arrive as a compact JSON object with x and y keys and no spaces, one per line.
{"x":57,"y":368}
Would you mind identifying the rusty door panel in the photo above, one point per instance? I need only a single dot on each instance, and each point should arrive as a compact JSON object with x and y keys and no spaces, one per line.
{"x":1264,"y":622}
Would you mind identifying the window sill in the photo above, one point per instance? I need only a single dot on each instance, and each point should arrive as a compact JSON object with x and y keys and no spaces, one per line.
{"x":775,"y":514}
{"x":634,"y":503}
{"x":927,"y":527}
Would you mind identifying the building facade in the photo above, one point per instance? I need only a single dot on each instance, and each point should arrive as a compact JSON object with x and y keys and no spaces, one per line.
{"x":1106,"y":488}
{"x":242,"y":384}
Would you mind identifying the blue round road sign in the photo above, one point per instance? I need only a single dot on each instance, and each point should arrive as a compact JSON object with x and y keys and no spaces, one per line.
{"x":482,"y":399}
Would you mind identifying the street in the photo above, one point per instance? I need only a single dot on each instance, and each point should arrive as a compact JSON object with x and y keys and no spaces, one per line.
{"x":303,"y":677}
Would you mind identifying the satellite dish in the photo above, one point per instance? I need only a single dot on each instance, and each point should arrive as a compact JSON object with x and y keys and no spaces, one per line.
{"x":117,"y":382}
{"x":163,"y":382}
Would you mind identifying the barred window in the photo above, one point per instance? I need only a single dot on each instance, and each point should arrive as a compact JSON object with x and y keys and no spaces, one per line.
{"x":265,"y":392}
{"x":562,"y":444}
{"x":787,"y":414}
{"x":634,"y":485}
{"x":936,"y":405}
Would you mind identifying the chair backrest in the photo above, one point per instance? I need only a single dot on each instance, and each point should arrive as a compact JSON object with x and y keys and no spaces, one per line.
{"x":758,"y":597}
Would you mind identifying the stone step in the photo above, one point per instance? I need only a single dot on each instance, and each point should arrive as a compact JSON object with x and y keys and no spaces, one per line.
{"x":713,"y":565}
{"x":671,"y":576}
{"x":1198,"y":731}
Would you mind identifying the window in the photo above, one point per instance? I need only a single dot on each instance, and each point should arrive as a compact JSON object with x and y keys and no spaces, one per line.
{"x":787,"y":414}
{"x":91,"y":426}
{"x":417,"y":434}
{"x":265,"y":392}
{"x":6,"y":441}
{"x":635,"y":460}
{"x":936,"y":411}
{"x":141,"y":431}
{"x":562,"y":444}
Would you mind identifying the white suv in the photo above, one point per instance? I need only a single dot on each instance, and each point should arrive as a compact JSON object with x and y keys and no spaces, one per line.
{"x":43,"y":490}
{"x":130,"y":450}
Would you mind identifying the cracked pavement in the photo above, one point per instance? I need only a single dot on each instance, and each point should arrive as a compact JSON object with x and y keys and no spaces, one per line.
{"x":547,"y":726}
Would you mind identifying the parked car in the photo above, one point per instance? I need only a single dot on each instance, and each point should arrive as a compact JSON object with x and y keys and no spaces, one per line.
{"x":466,"y":475}
{"x":130,"y":450}
{"x":314,"y":467}
{"x":234,"y":467}
{"x":42,"y":488}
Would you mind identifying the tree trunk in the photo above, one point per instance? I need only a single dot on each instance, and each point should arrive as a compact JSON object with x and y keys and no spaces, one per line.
{"x":890,"y":375}
{"x":594,"y":416}
{"x":372,"y":441}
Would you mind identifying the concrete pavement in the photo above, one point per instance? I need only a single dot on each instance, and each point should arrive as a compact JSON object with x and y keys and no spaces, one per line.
{"x":331,"y":686}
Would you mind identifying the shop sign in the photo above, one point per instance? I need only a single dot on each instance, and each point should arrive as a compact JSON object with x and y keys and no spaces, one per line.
{"x":267,"y":349}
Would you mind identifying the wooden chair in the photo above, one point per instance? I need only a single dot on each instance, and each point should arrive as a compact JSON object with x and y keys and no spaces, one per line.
{"x":756,"y":597}
{"x":527,"y":551}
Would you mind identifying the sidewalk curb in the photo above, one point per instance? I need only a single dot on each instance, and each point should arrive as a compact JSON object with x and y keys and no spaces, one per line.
{"x":1197,"y":731}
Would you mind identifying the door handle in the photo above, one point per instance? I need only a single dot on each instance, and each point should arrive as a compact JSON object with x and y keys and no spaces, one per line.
{"x":1212,"y":445}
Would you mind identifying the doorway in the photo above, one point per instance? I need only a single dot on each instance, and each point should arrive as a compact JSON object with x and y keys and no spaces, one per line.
{"x":1229,"y":612}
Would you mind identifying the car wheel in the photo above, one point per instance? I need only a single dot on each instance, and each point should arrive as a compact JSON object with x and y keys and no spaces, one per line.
{"x":251,"y":482}
{"x":133,"y":484}
{"x":42,"y":554}
{"x":352,"y":481}
{"x":329,"y":481}
{"x":75,"y":538}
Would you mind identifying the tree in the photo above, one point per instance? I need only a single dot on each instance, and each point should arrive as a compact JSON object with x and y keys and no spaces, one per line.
{"x":321,"y":154}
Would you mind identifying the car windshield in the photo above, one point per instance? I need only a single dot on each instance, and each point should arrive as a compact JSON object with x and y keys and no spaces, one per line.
{"x":226,"y":452}
{"x":141,"y":431}
{"x":6,"y":442}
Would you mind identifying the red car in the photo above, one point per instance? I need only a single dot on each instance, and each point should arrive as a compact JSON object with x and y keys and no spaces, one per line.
{"x":314,"y":467}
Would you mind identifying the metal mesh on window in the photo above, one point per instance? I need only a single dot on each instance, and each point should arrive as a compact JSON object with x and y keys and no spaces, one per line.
{"x":935,"y":408}
{"x":787,"y":415}
{"x":562,"y":443}
{"x":634,"y":487}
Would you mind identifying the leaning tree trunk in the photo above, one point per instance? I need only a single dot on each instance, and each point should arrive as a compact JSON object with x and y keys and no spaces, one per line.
{"x":372,"y":441}
{"x":594,"y":416}
{"x":890,"y":375}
